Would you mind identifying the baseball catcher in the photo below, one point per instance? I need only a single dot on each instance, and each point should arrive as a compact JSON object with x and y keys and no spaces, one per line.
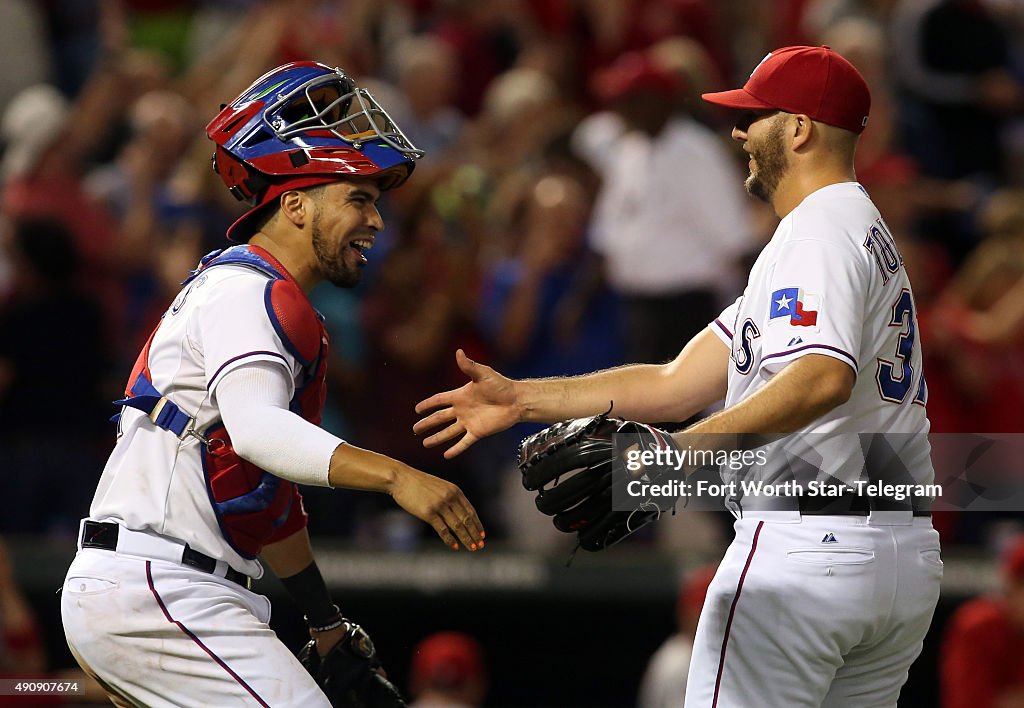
{"x":570,"y":465}
{"x":220,"y":426}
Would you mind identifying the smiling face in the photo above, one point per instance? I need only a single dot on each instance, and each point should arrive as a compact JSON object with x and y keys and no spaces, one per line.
{"x":762,"y":135}
{"x":344,"y":225}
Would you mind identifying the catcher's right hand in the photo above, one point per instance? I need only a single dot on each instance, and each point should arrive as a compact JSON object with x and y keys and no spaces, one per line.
{"x":570,"y":465}
{"x":350,"y":675}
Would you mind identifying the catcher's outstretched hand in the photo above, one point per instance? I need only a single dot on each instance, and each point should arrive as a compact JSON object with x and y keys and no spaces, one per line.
{"x":442,"y":505}
{"x":484,"y":406}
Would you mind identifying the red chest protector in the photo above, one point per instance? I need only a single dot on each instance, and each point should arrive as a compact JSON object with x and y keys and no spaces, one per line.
{"x":253,"y":507}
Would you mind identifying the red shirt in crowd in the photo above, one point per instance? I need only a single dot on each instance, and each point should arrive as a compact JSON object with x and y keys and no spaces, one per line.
{"x":982,"y":656}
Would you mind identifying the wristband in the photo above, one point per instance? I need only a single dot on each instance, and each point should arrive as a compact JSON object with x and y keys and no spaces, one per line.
{"x":308,"y":589}
{"x":338,"y":621}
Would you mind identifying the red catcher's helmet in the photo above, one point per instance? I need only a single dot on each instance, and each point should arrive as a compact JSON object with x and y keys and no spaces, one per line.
{"x":300,"y":125}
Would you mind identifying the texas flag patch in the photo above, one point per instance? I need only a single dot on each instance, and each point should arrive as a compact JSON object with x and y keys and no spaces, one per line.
{"x":799,"y":306}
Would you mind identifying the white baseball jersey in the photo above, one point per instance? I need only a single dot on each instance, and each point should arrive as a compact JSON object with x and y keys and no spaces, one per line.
{"x":158,"y":628}
{"x":825,"y":610}
{"x":831,"y":281}
{"x":154,"y":481}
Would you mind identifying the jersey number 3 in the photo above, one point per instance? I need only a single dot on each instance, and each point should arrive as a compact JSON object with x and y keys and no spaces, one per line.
{"x":895,"y":379}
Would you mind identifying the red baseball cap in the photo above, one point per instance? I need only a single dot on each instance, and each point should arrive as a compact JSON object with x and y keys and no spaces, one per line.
{"x":245,"y":226}
{"x":447,"y":660}
{"x":815,"y":81}
{"x":632,"y":73}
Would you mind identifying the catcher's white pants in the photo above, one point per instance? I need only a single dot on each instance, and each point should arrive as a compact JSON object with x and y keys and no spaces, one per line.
{"x":817,"y":611}
{"x":157,"y":633}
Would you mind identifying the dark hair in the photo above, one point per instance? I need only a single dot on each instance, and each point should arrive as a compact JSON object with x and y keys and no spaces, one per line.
{"x":48,"y":247}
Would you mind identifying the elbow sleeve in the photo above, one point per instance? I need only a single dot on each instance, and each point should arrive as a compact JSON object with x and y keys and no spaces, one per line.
{"x":253,"y":403}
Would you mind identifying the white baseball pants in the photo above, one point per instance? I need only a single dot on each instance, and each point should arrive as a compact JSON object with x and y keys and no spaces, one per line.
{"x":156,"y":633}
{"x":820,"y":611}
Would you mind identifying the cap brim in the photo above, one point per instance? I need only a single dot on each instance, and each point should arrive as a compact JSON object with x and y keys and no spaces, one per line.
{"x":737,"y":98}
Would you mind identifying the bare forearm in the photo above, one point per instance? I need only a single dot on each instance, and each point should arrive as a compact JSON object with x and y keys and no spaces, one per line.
{"x":646,"y":392}
{"x":801,"y":393}
{"x":356,"y":468}
{"x":625,"y":389}
{"x":431,"y":499}
{"x":290,"y":555}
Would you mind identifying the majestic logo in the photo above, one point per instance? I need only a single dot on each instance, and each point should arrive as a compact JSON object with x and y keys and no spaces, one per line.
{"x":829,"y":538}
{"x":799,"y":306}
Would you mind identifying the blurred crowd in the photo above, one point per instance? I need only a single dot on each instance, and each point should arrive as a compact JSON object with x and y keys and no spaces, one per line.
{"x":579,"y":207}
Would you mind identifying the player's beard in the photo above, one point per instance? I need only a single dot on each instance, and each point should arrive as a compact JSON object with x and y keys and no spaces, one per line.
{"x":332,"y":261}
{"x":772,"y":163}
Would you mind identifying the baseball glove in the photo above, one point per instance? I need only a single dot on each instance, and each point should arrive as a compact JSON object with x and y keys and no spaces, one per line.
{"x":349,"y":674}
{"x":570,"y":466}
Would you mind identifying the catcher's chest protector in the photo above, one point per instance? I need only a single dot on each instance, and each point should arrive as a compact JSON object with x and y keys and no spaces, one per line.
{"x":253,"y":507}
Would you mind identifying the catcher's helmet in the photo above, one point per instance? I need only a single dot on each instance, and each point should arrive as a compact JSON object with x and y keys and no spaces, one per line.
{"x":300,"y":125}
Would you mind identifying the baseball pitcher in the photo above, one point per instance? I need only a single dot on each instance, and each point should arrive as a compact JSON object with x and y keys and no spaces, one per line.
{"x":819,"y":604}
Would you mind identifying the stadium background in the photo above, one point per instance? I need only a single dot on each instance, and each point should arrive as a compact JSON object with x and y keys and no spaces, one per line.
{"x":107,"y":200}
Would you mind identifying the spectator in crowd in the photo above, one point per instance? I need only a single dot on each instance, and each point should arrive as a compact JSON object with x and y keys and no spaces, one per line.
{"x":51,"y":144}
{"x":545,"y":309}
{"x":427,"y":81}
{"x":43,"y":164}
{"x":448,"y":672}
{"x":485,"y":37}
{"x":24,"y":51}
{"x":954,"y":69}
{"x":671,"y":219}
{"x":136,"y":189}
{"x":48,"y":391}
{"x":978,"y":322}
{"x":522,"y":111}
{"x":664,"y":681}
{"x":957,"y":89}
{"x":989,"y":289}
{"x":982,"y":661}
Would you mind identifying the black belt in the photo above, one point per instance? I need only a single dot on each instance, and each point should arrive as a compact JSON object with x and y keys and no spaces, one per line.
{"x":846,"y":505}
{"x":103,"y":535}
{"x":859,"y":512}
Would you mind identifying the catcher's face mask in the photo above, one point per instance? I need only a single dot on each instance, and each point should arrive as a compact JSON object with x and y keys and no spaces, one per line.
{"x":305,"y":121}
{"x":333,"y":103}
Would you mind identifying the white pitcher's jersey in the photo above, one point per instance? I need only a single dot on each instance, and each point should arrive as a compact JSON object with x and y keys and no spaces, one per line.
{"x":154,"y":481}
{"x":831,"y":281}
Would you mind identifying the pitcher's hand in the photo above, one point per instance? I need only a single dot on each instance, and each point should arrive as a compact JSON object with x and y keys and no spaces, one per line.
{"x":484,"y":406}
